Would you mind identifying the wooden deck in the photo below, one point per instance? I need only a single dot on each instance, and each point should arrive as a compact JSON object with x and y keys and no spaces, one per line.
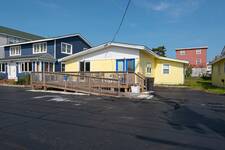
{"x":92,"y":83}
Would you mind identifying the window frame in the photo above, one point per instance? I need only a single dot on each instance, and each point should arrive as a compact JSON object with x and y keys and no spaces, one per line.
{"x":66,"y":46}
{"x":182,"y":52}
{"x":200,"y":62}
{"x":26,"y":67}
{"x":2,"y":65}
{"x":148,"y":64}
{"x":198,"y":51}
{"x":64,"y":67}
{"x":164,"y":69}
{"x":16,"y":54}
{"x":40,"y":45}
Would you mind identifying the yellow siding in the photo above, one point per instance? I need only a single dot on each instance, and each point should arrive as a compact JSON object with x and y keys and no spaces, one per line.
{"x":218,"y":74}
{"x":144,"y":59}
{"x":71,"y":66}
{"x":175,"y":76}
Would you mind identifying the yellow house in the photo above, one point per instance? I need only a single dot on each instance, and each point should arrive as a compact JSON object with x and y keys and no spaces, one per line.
{"x":218,"y":72}
{"x":119,"y":57}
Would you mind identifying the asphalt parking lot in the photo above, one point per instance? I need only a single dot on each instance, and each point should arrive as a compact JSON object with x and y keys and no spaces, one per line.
{"x":174,"y":119}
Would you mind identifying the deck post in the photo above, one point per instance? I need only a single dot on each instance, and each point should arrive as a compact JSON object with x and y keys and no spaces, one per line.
{"x":31,"y":81}
{"x":89,"y":84}
{"x":118,"y":86}
{"x":44,"y":81}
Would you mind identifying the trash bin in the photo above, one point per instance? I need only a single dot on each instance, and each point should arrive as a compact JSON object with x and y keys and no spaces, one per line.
{"x":149,"y":83}
{"x":135,"y":89}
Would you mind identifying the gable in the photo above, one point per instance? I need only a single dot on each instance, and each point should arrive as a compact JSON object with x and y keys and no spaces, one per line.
{"x":111,"y":53}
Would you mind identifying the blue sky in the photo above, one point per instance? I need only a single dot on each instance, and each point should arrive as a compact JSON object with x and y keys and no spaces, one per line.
{"x":173,"y":23}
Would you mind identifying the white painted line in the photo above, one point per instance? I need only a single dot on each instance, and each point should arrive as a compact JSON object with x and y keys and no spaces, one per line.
{"x":57,"y":92}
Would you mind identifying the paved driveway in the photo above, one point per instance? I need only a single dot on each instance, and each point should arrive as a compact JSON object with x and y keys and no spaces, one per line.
{"x":175,"y":119}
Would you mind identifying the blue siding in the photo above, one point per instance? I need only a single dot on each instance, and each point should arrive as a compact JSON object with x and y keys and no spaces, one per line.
{"x":78,"y":45}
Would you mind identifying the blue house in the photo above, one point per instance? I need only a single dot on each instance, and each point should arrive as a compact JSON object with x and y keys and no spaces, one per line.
{"x":40,"y":55}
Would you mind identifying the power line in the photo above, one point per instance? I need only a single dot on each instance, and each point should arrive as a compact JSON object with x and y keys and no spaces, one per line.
{"x":114,"y":37}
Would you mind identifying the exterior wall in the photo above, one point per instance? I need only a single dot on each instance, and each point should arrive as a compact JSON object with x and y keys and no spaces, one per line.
{"x":218,"y":76}
{"x":144,"y":59}
{"x":175,"y":76}
{"x":191,"y":56}
{"x":3,"y":41}
{"x":105,"y":60}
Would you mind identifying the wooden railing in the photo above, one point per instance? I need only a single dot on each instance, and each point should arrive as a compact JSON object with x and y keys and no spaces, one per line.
{"x":125,"y":78}
{"x":105,"y":83}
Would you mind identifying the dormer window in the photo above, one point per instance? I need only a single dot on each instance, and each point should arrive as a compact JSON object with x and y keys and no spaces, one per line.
{"x":66,"y":48}
{"x":39,"y":48}
{"x":15,"y":51}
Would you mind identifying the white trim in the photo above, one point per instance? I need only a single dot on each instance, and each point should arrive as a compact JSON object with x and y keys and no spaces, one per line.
{"x":199,"y":61}
{"x":187,"y":48}
{"x":49,"y":39}
{"x":103,"y":46}
{"x":67,"y":44}
{"x":198,"y":51}
{"x":163,"y":69}
{"x":5,"y":66}
{"x":55,"y":49}
{"x":10,"y":51}
{"x":41,"y":43}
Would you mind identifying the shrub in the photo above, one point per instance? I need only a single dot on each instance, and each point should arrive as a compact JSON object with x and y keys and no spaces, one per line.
{"x":2,"y":76}
{"x":23,"y":79}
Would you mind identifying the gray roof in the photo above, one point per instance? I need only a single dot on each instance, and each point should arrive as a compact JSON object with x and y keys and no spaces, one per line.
{"x":17,"y":33}
{"x":36,"y":57}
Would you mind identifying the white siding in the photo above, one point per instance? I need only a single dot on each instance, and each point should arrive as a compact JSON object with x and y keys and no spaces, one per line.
{"x":112,"y":53}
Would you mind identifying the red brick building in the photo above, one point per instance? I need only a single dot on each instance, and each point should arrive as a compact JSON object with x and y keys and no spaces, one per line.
{"x":197,"y":57}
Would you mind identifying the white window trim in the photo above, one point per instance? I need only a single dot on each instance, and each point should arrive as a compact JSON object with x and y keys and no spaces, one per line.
{"x":199,"y":61}
{"x":71,"y":52}
{"x":4,"y":68}
{"x":40,"y":52}
{"x":146,"y":69}
{"x":28,"y":68}
{"x":182,"y":52}
{"x":198,"y":51}
{"x":10,"y":51}
{"x":163,"y":69}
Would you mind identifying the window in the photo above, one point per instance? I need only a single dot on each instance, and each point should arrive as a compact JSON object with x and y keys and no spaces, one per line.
{"x":166,"y":68}
{"x":148,"y":68}
{"x":46,"y":67}
{"x":182,"y":52}
{"x":51,"y":67}
{"x":26,"y":67}
{"x":85,"y":66}
{"x":66,"y":48}
{"x":15,"y":51}
{"x":130,"y":65}
{"x":39,"y":48}
{"x":2,"y":67}
{"x":13,"y":40}
{"x":198,"y":61}
{"x":198,"y":51}
{"x":62,"y":67}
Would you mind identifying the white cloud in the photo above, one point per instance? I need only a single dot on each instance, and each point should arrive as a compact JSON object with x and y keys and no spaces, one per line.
{"x":173,"y":8}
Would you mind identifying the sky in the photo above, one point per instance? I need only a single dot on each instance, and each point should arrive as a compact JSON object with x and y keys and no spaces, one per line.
{"x":172,"y":23}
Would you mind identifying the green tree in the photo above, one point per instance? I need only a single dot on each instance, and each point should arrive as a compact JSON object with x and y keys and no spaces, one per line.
{"x":161,"y":51}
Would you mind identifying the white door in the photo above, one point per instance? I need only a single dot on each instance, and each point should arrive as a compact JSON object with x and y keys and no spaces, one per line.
{"x":12,"y":71}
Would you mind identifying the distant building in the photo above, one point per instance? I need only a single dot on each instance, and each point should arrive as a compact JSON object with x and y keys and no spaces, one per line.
{"x":12,"y":36}
{"x":197,"y":58}
{"x":218,"y":70}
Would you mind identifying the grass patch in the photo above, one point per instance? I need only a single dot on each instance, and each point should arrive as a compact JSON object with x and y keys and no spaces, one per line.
{"x":205,"y":85}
